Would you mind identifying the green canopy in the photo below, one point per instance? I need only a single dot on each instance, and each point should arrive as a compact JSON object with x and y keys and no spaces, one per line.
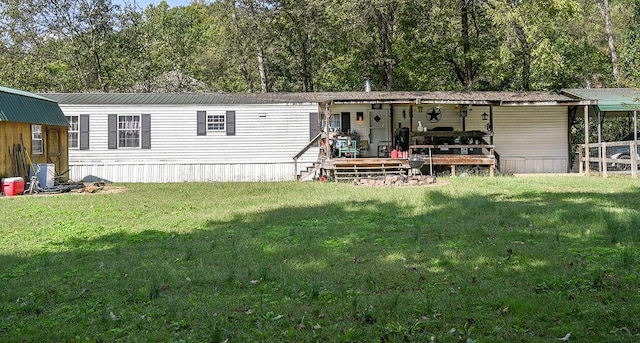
{"x":609,"y":99}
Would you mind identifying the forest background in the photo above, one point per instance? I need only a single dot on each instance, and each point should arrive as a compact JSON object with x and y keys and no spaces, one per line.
{"x":319,"y":45}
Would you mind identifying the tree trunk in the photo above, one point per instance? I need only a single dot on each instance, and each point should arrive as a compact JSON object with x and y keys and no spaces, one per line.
{"x":244,"y":71}
{"x":262,"y":69}
{"x":467,"y":81}
{"x":387,"y":20}
{"x":526,"y":57}
{"x":257,"y":39}
{"x":608,"y":25}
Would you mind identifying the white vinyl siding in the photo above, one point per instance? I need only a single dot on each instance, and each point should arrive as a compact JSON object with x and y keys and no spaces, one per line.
{"x":532,"y":139}
{"x":262,"y":149}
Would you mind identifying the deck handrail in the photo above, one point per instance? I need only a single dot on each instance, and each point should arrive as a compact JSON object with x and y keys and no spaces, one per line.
{"x":302,"y":151}
{"x":585,"y":158}
{"x":450,"y":146}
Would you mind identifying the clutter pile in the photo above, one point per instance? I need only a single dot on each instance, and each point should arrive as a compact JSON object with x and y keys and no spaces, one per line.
{"x":395,"y":181}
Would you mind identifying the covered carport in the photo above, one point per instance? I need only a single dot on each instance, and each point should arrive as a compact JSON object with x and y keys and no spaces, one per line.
{"x":609,"y":102}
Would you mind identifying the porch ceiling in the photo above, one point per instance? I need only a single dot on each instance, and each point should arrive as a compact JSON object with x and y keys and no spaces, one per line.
{"x":610,"y":99}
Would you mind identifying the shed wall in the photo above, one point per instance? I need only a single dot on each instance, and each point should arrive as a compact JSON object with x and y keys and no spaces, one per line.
{"x":54,"y":146}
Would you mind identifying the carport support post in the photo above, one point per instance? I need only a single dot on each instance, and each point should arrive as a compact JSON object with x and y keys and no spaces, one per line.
{"x":491,"y":124}
{"x":327,"y":126}
{"x":586,"y":140}
{"x":602,"y":165}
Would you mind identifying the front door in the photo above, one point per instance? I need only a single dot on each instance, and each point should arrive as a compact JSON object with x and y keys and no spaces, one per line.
{"x":379,"y":122}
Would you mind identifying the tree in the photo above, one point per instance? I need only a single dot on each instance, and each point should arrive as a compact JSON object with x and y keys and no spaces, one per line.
{"x":629,"y":56}
{"x":300,"y":44}
{"x":74,"y":31}
{"x":613,"y":54}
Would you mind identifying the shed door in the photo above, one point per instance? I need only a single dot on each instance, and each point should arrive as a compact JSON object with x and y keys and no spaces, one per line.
{"x":379,"y":129}
{"x":54,"y":153}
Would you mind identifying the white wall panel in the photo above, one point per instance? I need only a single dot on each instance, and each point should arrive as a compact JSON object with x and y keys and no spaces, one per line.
{"x":531,"y":139}
{"x":149,"y":173}
{"x":267,"y":137}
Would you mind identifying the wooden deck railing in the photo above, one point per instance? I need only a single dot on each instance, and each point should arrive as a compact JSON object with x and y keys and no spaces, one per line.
{"x":585,"y":158}
{"x":303,"y":150}
{"x":455,"y":157}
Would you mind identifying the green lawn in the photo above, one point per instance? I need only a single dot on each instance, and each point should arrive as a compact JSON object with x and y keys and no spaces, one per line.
{"x":466,"y":260}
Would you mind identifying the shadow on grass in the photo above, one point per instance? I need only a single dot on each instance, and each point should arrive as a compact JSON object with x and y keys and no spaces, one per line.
{"x":530,"y":267}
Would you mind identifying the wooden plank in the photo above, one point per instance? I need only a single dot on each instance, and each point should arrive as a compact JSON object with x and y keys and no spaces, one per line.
{"x":447,"y":134}
{"x":461,"y":159}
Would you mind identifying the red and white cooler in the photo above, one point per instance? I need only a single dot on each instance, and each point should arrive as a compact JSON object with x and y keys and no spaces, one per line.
{"x":12,"y":186}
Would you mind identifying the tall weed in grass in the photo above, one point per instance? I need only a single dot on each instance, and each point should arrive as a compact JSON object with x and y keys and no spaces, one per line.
{"x":469,"y":259}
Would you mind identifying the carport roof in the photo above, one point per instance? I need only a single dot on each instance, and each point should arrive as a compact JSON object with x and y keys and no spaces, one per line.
{"x":609,"y":99}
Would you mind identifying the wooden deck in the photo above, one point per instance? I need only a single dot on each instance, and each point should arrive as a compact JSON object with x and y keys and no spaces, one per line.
{"x":438,"y":155}
{"x":349,"y":168}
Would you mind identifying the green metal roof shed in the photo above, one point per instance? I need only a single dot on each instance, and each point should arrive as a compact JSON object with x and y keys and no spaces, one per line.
{"x":610,"y":99}
{"x":24,"y":107}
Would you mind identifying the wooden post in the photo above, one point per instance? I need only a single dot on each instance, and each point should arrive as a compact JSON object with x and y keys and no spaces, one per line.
{"x":411,"y":139}
{"x":587,"y":161}
{"x":603,"y":164}
{"x":492,"y":168}
{"x":634,"y":151}
{"x":601,"y":153}
{"x":634,"y":163}
{"x":491,"y":124}
{"x":327,"y":144}
{"x":580,"y":157}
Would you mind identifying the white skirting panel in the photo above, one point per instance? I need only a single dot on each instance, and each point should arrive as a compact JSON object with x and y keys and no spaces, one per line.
{"x":518,"y":165}
{"x":159,"y":173}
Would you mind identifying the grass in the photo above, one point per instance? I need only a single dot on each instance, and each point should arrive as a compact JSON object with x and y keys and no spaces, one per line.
{"x":468,"y":260}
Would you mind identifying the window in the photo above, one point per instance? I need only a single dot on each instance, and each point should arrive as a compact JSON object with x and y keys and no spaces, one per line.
{"x":74,"y":131}
{"x":215,"y":122}
{"x":124,"y":131}
{"x":335,"y":122}
{"x":37,"y":144}
{"x":129,"y":131}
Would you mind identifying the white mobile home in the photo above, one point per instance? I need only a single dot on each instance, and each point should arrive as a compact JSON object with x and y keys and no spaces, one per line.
{"x":157,"y":137}
{"x":185,"y":137}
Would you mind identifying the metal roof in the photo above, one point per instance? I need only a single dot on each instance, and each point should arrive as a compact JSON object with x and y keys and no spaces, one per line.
{"x":25,"y":107}
{"x":479,"y":98}
{"x":610,"y":99}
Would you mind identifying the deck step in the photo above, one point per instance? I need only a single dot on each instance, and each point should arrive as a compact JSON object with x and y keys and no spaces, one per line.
{"x":310,"y":173}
